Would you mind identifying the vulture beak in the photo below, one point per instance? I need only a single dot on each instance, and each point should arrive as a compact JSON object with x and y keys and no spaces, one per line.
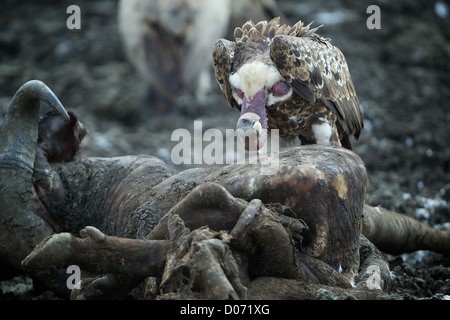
{"x":251,"y":132}
{"x":250,"y":121}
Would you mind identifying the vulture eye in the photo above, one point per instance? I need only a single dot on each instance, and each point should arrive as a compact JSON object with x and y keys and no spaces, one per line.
{"x":280,"y":88}
{"x":239,"y":93}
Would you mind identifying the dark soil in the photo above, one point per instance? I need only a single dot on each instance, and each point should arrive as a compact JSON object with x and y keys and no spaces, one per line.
{"x":401,"y":74}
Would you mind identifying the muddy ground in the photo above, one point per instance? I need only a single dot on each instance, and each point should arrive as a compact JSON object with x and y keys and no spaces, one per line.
{"x":401,"y":75}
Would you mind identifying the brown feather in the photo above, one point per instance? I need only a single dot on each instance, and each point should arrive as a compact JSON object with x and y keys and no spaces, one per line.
{"x":223,"y":53}
{"x":316,"y":70}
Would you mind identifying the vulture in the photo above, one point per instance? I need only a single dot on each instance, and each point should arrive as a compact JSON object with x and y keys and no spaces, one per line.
{"x":291,"y":79}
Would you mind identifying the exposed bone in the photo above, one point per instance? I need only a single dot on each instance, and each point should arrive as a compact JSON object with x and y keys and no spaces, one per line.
{"x":138,"y":257}
{"x":93,"y":233}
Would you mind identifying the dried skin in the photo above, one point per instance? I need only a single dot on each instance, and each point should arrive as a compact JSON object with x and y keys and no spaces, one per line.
{"x":323,"y":187}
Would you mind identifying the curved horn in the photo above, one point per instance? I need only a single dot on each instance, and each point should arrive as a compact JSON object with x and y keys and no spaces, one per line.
{"x":21,"y":227}
{"x":18,"y":133}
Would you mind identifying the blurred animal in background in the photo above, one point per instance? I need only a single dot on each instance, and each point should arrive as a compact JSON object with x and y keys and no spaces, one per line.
{"x":169,"y":42}
{"x":291,"y":79}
